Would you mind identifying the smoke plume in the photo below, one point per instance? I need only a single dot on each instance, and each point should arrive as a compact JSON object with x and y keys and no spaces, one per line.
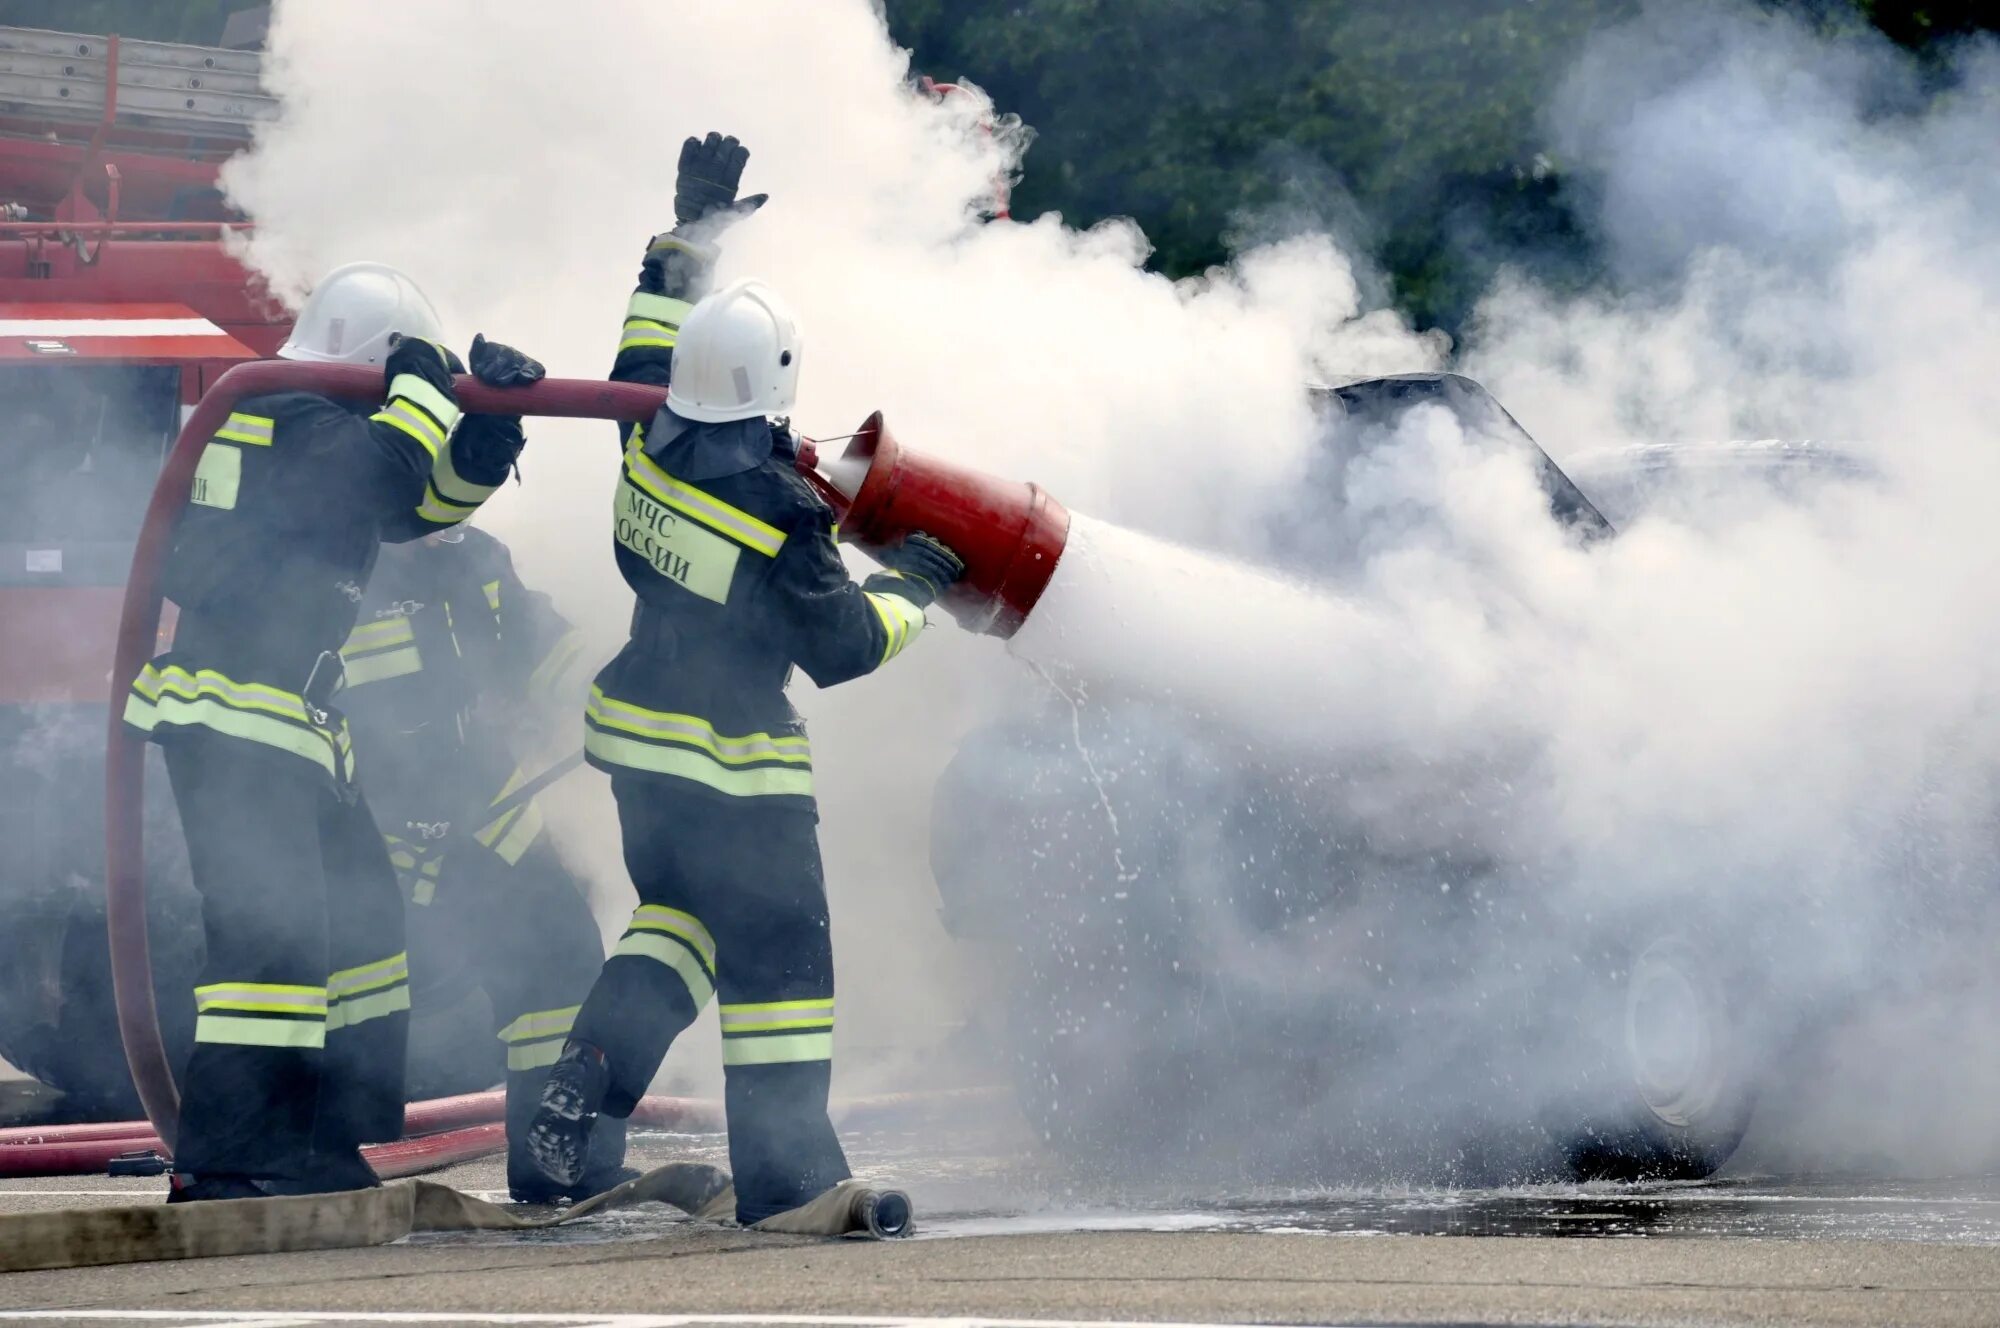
{"x":1778,"y":717}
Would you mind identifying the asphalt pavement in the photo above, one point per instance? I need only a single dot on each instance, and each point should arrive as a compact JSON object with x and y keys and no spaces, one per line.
{"x":1005,"y":1238}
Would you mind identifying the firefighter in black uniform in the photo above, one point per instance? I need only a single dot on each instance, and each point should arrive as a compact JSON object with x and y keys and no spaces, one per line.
{"x":738,"y":579}
{"x":451,"y":672}
{"x":302,"y":1003}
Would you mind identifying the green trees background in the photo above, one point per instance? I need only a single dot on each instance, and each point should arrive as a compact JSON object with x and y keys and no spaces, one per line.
{"x":1411,"y":124}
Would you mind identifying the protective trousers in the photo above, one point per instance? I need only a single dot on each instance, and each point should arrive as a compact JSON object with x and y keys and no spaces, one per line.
{"x":523,"y":933}
{"x":732,"y":902}
{"x":302,"y":1005}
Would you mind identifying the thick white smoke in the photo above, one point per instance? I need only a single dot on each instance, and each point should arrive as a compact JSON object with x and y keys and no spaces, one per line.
{"x":1771,"y":710}
{"x":515,"y":159}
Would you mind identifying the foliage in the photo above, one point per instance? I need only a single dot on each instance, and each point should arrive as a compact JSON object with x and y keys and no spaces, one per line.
{"x":1413,"y":129}
{"x":151,"y":20}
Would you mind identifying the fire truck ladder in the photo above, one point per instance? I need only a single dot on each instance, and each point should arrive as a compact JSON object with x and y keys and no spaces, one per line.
{"x":137,"y":84}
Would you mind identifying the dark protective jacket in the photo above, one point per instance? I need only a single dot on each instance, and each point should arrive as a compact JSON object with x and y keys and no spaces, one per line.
{"x":738,"y":579}
{"x":292,"y":500}
{"x":449,"y":644}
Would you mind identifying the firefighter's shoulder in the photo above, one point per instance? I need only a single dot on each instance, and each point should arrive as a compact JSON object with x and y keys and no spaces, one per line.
{"x":794,"y":503}
{"x":289,"y":412}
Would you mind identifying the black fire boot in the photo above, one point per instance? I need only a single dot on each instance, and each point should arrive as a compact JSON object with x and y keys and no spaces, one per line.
{"x":605,"y":1169}
{"x":185,"y":1188}
{"x":558,"y":1137}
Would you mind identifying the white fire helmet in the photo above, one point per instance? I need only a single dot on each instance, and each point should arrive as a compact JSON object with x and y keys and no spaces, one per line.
{"x":737,"y":357}
{"x":352,"y":313}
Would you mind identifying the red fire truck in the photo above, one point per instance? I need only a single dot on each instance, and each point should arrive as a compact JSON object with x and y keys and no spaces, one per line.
{"x":120,"y":303}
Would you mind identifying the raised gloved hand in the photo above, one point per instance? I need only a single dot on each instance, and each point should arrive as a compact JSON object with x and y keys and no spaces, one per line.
{"x":920,"y":569}
{"x":428,"y":360}
{"x":499,"y":365}
{"x":710,"y":170}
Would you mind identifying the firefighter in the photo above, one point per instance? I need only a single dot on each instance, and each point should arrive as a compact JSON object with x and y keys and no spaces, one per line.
{"x":738,"y":579}
{"x":302,"y":1002}
{"x":450,"y":671}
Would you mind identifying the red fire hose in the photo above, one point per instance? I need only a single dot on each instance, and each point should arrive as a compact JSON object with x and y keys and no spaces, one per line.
{"x":442,"y":1132}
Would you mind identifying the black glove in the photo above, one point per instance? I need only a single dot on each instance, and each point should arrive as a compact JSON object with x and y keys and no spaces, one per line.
{"x":921,"y":564}
{"x":487,"y":446}
{"x":498,"y":365}
{"x":428,"y":360}
{"x":710,"y":170}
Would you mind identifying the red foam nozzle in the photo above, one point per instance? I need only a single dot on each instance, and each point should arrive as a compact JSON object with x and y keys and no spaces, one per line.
{"x":1010,"y":534}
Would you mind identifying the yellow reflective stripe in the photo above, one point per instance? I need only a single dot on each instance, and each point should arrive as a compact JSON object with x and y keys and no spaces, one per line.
{"x":510,"y":833}
{"x":540,"y":1024}
{"x":492,"y":589}
{"x":711,"y":511}
{"x":351,"y":1010}
{"x":660,"y":308}
{"x":697,"y":767}
{"x":436,"y":404}
{"x":901,"y":621}
{"x":534,"y":1055}
{"x":562,"y":656}
{"x":784,"y":1049}
{"x":664,"y":726}
{"x":379,"y":635}
{"x":439,"y":512}
{"x":267,"y":997}
{"x":774,"y":1025}
{"x":775,"y":1016}
{"x":153,"y":683}
{"x":252,"y":429}
{"x":315,"y":745}
{"x":414,"y":423}
{"x":380,"y":667}
{"x":365,"y":977}
{"x":642,"y":335}
{"x":242,"y":1031}
{"x":453,"y":488}
{"x":661,"y":949}
{"x":658,"y":917}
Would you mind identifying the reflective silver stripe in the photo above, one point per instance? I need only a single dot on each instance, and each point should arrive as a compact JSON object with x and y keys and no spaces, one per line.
{"x":412,"y":388}
{"x":414,"y":423}
{"x":379,"y":635}
{"x":696,"y":732}
{"x":777,"y":1016}
{"x":658,"y":917}
{"x":367,"y":977}
{"x":541,"y":1024}
{"x":711,"y":511}
{"x":261,"y":997}
{"x":332,"y":753}
{"x":252,"y":429}
{"x":154,"y":682}
{"x":664,"y":950}
{"x":452,"y":488}
{"x":383,"y":665}
{"x":534,"y":1055}
{"x":697,"y":767}
{"x":658,"y":308}
{"x":787,"y":1049}
{"x":351,"y":1010}
{"x":901,"y":621}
